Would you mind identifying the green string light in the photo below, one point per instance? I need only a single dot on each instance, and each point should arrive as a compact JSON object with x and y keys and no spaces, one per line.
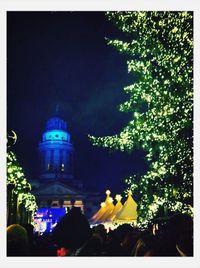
{"x":22,"y":187}
{"x":160,"y":48}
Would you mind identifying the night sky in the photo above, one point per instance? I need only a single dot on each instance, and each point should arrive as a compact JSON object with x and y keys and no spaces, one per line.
{"x":62,"y":58}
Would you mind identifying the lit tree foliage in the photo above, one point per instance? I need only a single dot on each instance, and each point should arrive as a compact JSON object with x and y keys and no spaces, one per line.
{"x":160,"y":47}
{"x":15,"y":176}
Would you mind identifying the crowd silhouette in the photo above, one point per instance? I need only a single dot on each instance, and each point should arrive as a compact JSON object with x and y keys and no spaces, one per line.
{"x":73,"y":236}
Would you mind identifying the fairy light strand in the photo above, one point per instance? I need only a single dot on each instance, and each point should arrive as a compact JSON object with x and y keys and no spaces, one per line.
{"x":160,"y":48}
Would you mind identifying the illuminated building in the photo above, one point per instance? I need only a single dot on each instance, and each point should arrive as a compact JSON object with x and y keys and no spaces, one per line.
{"x":56,"y":152}
{"x":56,"y":190}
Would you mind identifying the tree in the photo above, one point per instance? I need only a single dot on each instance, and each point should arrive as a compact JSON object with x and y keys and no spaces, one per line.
{"x":20,"y":185}
{"x":160,"y":50}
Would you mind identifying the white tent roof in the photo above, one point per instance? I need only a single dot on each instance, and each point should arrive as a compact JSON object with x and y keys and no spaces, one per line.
{"x":115,"y":211}
{"x":106,"y":214}
{"x":106,"y":209}
{"x":129,"y":211}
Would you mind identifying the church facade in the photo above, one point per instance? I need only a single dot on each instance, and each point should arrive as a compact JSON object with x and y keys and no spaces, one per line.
{"x":56,"y":188}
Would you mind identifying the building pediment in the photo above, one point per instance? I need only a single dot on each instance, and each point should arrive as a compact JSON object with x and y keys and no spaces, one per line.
{"x":56,"y":188}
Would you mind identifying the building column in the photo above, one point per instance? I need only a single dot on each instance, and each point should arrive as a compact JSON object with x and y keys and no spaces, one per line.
{"x":47,"y":159}
{"x":56,"y":159}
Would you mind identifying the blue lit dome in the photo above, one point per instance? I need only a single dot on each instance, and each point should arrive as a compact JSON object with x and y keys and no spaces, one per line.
{"x":56,"y":130}
{"x":56,"y":151}
{"x":56,"y":123}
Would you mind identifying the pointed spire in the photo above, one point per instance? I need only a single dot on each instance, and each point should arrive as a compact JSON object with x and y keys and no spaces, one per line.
{"x":57,"y":109}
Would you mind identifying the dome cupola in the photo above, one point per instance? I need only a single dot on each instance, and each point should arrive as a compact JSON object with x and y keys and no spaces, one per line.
{"x":56,"y":130}
{"x":56,"y":123}
{"x":56,"y":151}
